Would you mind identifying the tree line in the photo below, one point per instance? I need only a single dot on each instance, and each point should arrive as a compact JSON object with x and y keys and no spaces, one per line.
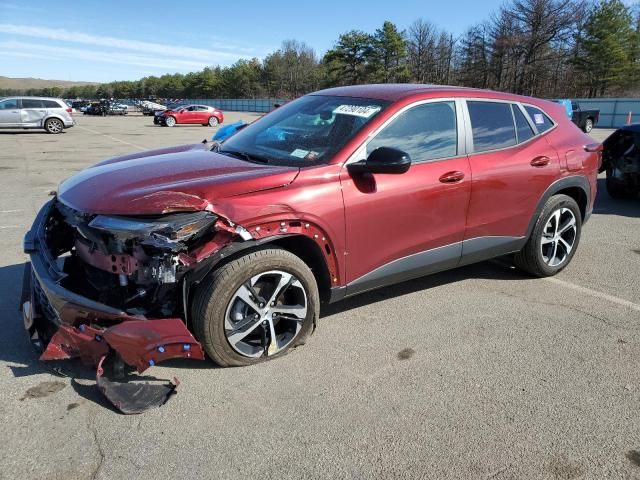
{"x":544,"y":48}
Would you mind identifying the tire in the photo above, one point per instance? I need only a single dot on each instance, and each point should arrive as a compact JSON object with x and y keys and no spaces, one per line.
{"x":169,"y":121}
{"x":54,"y":125}
{"x":615,"y":189}
{"x":216,"y":301}
{"x":537,"y":257}
{"x":588,"y":125}
{"x":213,"y":122}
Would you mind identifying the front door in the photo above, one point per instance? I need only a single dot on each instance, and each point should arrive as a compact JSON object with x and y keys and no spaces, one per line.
{"x":400,"y":226}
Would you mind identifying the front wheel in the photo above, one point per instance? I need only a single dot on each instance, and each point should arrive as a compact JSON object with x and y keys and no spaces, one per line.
{"x":255,"y":308}
{"x":616,"y":188}
{"x":169,"y":121}
{"x":554,"y":239}
{"x":53,"y":125}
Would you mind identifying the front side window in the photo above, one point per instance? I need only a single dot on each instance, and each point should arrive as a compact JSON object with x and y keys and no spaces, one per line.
{"x":31,"y":103}
{"x":492,"y":125}
{"x":9,"y":104}
{"x":307,"y":131}
{"x":522,"y":125}
{"x":425,"y":132}
{"x":541,"y":120}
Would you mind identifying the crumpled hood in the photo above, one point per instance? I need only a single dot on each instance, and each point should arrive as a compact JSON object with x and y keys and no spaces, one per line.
{"x":183,"y":178}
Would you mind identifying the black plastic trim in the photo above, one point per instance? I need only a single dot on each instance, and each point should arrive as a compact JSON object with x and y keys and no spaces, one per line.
{"x":555,"y":187}
{"x":483,"y":248}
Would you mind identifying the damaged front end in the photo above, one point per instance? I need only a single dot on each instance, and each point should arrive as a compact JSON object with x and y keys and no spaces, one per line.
{"x":113,"y":290}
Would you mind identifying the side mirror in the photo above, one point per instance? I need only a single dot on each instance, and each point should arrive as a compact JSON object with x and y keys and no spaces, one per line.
{"x":382,"y":160}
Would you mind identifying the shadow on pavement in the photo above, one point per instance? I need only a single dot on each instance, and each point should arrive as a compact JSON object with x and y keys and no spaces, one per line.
{"x":605,"y":205}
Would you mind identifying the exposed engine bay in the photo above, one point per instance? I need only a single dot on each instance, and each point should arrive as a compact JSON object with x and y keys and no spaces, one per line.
{"x":112,"y":291}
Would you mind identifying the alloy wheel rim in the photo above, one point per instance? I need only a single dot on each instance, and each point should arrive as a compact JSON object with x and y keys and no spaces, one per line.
{"x":170,"y":121}
{"x":55,"y":126}
{"x":558,"y":237}
{"x":265,"y":314}
{"x":213,"y":122}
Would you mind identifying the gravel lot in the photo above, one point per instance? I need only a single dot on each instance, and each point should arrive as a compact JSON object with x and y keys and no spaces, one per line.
{"x":480,"y":372}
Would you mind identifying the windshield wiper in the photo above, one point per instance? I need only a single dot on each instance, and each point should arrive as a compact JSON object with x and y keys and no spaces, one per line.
{"x":244,"y":156}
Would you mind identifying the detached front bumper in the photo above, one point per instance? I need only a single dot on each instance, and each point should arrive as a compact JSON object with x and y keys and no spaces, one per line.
{"x":63,"y":324}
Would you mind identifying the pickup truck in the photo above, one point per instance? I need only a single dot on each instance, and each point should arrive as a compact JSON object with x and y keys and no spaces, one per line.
{"x":584,"y":119}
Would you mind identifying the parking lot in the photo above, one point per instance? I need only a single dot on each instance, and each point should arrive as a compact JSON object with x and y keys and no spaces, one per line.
{"x":481,"y":372}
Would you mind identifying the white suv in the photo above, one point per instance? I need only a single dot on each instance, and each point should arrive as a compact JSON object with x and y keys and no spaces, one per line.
{"x":52,"y":114}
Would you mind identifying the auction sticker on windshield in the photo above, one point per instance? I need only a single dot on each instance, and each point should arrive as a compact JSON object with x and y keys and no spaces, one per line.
{"x":538,"y":118}
{"x":364,"y":111}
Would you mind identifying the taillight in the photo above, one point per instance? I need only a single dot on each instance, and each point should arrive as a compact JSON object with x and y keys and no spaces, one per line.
{"x":69,"y":110}
{"x":596,"y":148}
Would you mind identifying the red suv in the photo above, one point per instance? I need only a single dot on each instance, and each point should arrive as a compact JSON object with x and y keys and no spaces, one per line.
{"x":336,"y":193}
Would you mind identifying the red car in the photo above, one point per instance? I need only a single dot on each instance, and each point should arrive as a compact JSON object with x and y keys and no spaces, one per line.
{"x":190,"y":114}
{"x":336,"y":193}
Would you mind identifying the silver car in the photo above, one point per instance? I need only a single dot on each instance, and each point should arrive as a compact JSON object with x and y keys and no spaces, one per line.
{"x":52,"y":114}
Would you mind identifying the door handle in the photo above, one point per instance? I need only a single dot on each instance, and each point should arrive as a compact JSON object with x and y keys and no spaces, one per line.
{"x":451,"y":177}
{"x":540,"y":161}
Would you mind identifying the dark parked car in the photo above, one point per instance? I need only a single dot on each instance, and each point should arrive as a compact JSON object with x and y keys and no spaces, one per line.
{"x":333,"y":194}
{"x":621,"y":161}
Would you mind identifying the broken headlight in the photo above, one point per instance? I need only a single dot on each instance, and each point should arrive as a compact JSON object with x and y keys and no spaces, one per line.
{"x":175,"y":227}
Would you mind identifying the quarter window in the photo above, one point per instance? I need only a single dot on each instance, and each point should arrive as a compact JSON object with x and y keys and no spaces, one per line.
{"x":541,"y":120}
{"x":425,"y":132}
{"x":31,"y":103}
{"x":522,"y":125}
{"x":491,"y":125}
{"x":51,"y":104}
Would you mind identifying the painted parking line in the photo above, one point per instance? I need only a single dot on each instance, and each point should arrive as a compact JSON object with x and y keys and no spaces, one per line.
{"x":111,"y":138}
{"x":594,"y":293}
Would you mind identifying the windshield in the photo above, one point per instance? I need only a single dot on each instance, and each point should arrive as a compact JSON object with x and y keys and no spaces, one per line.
{"x":307,"y":131}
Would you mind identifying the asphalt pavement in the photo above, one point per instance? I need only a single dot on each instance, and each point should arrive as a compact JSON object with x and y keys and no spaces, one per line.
{"x":477,"y":373}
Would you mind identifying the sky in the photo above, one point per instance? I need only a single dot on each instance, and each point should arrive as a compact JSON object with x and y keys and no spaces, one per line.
{"x":101,"y":41}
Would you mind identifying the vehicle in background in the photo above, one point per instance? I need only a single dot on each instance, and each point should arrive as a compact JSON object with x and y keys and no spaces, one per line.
{"x":228,"y":130}
{"x":333,"y":194}
{"x":584,"y":119}
{"x":621,"y":162}
{"x":106,"y":107}
{"x":52,"y":114}
{"x":190,"y":114}
{"x":150,"y":108}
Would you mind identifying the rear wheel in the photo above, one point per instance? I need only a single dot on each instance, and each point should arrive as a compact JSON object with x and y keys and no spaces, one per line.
{"x":213,"y":121}
{"x":554,"y":239}
{"x":53,"y":125}
{"x":614,"y":187}
{"x":169,"y":121}
{"x":256,"y":307}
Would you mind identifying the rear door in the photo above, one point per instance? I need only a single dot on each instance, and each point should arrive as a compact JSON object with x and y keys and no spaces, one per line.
{"x":202,"y":113}
{"x":9,"y":112}
{"x":33,"y":111}
{"x":512,"y":165}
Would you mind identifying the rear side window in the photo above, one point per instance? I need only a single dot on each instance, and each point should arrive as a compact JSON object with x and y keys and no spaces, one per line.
{"x":541,"y":120}
{"x":51,"y":104}
{"x":522,"y":125}
{"x":31,"y":103}
{"x":491,"y":125}
{"x":425,"y":132}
